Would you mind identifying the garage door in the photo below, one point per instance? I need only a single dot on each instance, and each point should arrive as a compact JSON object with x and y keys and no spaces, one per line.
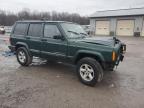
{"x":102,"y":27}
{"x":125,"y":28}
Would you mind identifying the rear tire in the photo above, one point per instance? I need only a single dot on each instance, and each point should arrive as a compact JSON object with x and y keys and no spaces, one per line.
{"x":23,"y":57}
{"x":89,"y":71}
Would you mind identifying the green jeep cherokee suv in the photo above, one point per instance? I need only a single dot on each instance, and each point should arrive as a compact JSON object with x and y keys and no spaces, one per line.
{"x":66,"y":42}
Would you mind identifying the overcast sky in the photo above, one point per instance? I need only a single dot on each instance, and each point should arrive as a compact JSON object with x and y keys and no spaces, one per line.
{"x":83,"y":7}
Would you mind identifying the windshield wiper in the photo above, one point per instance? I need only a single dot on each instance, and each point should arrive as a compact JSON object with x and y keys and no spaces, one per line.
{"x":74,"y":32}
{"x":84,"y":34}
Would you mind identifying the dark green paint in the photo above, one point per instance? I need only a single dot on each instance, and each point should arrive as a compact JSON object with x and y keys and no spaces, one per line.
{"x":66,"y":49}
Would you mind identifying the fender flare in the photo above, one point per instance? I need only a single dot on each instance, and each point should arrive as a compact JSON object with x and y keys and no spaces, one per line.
{"x":97,"y":54}
{"x":23,"y":44}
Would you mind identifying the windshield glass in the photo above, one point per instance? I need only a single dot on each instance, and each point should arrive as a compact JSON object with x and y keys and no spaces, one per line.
{"x":73,"y":30}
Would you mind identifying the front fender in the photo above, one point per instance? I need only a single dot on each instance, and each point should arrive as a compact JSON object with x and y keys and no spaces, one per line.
{"x":97,"y":54}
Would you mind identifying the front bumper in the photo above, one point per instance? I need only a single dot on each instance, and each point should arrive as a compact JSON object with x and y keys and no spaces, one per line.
{"x":123,"y":48}
{"x":119,"y":59}
{"x":121,"y":54}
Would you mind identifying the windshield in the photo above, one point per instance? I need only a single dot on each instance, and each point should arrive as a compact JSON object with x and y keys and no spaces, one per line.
{"x":73,"y":30}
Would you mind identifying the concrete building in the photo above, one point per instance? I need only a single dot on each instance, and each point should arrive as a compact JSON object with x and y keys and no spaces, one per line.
{"x":122,"y":22}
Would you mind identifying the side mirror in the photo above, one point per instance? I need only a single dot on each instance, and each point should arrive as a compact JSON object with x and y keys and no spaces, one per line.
{"x":58,"y":37}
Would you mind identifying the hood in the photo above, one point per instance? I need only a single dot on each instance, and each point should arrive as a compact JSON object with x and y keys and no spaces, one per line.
{"x":107,"y":41}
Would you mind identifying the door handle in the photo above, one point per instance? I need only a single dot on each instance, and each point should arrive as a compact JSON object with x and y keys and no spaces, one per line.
{"x":43,"y":39}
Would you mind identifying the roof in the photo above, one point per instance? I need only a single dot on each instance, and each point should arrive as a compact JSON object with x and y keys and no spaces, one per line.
{"x":119,"y":12}
{"x":43,"y":21}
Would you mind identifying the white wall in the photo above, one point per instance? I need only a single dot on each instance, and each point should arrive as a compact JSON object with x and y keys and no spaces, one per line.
{"x":113,"y":23}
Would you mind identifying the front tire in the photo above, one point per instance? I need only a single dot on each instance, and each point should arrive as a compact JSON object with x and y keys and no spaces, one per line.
{"x":23,"y":57}
{"x":89,"y":71}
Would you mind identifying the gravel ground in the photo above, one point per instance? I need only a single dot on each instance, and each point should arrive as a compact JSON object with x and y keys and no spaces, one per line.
{"x":55,"y":85}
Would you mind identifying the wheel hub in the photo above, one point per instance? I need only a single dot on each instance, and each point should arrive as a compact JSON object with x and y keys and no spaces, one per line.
{"x":86,"y":72}
{"x":21,"y":56}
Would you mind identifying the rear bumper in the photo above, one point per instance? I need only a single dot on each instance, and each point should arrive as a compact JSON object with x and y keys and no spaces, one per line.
{"x":12,"y":48}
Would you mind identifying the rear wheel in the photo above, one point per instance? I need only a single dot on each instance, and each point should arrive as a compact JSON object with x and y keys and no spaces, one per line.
{"x":23,"y":57}
{"x":89,"y":71}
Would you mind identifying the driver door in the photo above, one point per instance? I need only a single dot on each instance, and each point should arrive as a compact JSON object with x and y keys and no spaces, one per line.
{"x":55,"y":49}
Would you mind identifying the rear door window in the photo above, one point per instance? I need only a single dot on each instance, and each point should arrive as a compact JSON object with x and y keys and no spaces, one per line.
{"x":35,"y":30}
{"x":51,"y":30}
{"x":20,"y":29}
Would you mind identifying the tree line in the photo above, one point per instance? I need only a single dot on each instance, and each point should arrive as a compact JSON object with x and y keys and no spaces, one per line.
{"x":8,"y":18}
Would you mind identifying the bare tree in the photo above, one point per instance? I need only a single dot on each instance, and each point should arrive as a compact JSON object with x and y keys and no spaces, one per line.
{"x":8,"y":18}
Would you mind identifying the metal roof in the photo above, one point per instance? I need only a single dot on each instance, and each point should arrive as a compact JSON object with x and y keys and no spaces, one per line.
{"x":119,"y":12}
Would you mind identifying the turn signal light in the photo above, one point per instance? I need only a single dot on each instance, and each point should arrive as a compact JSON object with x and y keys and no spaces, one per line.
{"x":113,"y":56}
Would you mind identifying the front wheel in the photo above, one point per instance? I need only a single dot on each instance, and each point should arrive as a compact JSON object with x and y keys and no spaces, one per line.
{"x":23,"y":57}
{"x":89,"y":71}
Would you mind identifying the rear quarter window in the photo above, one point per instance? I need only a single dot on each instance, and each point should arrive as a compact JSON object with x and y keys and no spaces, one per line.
{"x":20,"y":29}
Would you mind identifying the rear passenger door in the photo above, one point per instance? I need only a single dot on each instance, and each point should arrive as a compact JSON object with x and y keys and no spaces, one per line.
{"x":33,"y":38}
{"x":53,"y":48}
